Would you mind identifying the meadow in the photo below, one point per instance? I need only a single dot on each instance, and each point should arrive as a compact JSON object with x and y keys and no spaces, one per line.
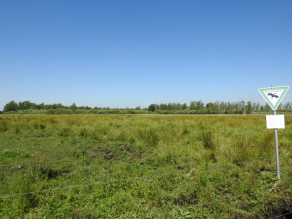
{"x":143,"y":166}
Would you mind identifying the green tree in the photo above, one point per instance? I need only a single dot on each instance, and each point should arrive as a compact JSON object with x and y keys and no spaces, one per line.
{"x":169,"y":107}
{"x":193,"y":105}
{"x":248,"y":108}
{"x":184,"y":106}
{"x":209,"y":107}
{"x":73,"y":107}
{"x":11,"y":106}
{"x":178,"y":106}
{"x":199,"y":105}
{"x":267,"y":107}
{"x":151,"y":107}
{"x":162,"y":106}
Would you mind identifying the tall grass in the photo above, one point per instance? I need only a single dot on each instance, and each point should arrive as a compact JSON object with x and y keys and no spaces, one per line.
{"x":39,"y":152}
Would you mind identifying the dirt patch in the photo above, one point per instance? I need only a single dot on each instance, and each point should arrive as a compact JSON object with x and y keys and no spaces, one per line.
{"x":264,"y":168}
{"x":183,"y":167}
{"x":64,"y":171}
{"x":220,"y":188}
{"x":109,"y":156}
{"x":285,"y":210}
{"x":191,"y":198}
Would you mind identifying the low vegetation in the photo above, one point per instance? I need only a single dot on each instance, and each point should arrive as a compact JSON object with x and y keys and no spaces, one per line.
{"x":195,"y":107}
{"x":173,"y":164}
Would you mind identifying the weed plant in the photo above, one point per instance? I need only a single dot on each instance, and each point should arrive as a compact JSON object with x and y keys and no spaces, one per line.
{"x":45,"y":152}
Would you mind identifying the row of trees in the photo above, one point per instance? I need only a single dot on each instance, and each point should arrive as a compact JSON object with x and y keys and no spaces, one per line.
{"x":219,"y":106}
{"x":216,"y":107}
{"x":26,"y":105}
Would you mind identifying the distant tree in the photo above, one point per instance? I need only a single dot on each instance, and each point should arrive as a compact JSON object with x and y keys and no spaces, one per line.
{"x":54,"y":106}
{"x":73,"y":107}
{"x":21,"y":106}
{"x":209,"y":107}
{"x":258,"y":107}
{"x":287,"y":106}
{"x":42,"y":106}
{"x":169,"y":107}
{"x":216,"y":106}
{"x":222,"y":106}
{"x":138,"y":108}
{"x":26,"y":104}
{"x":199,"y":105}
{"x":184,"y":106}
{"x":178,"y":106}
{"x":11,"y":106}
{"x":229,"y":106}
{"x":151,"y":107}
{"x":267,"y":107}
{"x":193,"y":105}
{"x":162,"y":106}
{"x":254,"y":106}
{"x":248,"y":108}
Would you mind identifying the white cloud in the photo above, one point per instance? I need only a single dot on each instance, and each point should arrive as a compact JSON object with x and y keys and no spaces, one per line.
{"x":188,"y":99}
{"x":288,"y":95}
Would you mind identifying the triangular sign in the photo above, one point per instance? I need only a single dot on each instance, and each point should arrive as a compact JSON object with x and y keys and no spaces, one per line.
{"x":274,"y":95}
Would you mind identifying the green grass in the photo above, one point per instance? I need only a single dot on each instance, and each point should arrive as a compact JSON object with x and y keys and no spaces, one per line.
{"x":42,"y":152}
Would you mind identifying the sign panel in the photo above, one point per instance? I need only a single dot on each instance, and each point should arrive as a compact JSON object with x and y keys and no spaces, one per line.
{"x":275,"y":121}
{"x":274,"y":95}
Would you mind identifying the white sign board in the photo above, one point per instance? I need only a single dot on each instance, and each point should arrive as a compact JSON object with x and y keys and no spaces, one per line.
{"x":275,"y":121}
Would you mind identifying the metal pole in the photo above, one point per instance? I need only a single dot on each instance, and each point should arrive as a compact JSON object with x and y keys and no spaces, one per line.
{"x":277,"y":151}
{"x":276,"y":145}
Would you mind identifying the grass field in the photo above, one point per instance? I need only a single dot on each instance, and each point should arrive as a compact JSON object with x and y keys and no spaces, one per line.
{"x":45,"y":152}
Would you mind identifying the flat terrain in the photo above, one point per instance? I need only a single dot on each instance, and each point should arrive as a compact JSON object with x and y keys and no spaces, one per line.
{"x":135,"y":166}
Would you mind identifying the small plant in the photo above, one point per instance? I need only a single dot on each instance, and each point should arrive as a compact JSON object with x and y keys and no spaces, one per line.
{"x":83,"y":153}
{"x":208,"y":142}
{"x":64,"y":132}
{"x":132,"y":140}
{"x":73,"y":141}
{"x":83,"y":132}
{"x":26,"y":184}
{"x":41,"y":168}
{"x":185,"y":131}
{"x":16,"y":152}
{"x":3,"y":126}
{"x":16,"y":129}
{"x":150,"y":137}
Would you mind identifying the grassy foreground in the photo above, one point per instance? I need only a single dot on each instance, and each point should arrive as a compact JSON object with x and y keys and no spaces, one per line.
{"x":44,"y":152}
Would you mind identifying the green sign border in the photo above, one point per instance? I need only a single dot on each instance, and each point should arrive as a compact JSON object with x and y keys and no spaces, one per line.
{"x":274,"y":107}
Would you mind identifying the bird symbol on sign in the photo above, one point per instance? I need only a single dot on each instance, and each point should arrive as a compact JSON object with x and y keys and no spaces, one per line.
{"x":273,"y":95}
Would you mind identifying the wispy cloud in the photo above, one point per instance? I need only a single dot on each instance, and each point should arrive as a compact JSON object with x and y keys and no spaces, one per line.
{"x":258,"y":99}
{"x":188,"y":99}
{"x":288,"y":95}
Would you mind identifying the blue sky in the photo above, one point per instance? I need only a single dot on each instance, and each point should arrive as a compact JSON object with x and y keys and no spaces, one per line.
{"x":134,"y":53}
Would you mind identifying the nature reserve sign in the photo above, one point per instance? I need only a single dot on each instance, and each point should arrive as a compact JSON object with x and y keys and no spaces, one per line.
{"x":274,"y":95}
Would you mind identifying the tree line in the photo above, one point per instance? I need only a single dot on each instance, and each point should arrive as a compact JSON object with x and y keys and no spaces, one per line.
{"x":194,"y":107}
{"x":219,"y":107}
{"x":27,"y":105}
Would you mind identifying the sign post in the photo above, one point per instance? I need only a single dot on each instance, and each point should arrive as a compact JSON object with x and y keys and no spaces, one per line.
{"x":273,"y":96}
{"x":277,"y":150}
